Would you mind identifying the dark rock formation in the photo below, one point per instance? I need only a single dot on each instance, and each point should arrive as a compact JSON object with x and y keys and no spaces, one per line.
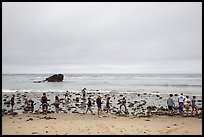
{"x":55,"y":78}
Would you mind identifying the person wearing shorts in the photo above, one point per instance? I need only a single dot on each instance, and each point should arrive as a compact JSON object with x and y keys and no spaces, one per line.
{"x":187,"y":104}
{"x":170,"y":104}
{"x":98,"y":101}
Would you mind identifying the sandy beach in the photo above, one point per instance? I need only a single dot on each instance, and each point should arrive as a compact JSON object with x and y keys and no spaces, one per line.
{"x":71,"y":120}
{"x":108,"y":124}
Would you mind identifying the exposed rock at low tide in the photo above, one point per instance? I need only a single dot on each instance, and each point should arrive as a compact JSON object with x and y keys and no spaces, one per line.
{"x":55,"y":78}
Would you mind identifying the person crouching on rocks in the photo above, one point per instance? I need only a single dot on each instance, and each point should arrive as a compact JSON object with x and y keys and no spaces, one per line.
{"x":44,"y":103}
{"x":123,"y":104}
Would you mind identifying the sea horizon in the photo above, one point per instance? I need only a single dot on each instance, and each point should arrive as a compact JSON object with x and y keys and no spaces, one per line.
{"x":99,"y":73}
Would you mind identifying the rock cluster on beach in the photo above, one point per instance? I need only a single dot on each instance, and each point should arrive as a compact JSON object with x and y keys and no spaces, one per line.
{"x":138,"y":104}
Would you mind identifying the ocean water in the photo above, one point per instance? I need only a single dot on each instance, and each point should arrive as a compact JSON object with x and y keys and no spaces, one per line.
{"x":150,"y":83}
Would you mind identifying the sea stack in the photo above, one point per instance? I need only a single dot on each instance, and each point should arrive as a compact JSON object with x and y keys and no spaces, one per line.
{"x":55,"y":78}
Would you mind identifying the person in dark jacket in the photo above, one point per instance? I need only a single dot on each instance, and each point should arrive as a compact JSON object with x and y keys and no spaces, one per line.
{"x":89,"y":106}
{"x":108,"y":103}
{"x":44,"y":103}
{"x":123,"y":104}
{"x":99,"y":103}
{"x":12,"y":102}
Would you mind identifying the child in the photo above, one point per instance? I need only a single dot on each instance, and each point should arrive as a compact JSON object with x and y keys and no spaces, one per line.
{"x":187,"y":104}
{"x":181,"y":108}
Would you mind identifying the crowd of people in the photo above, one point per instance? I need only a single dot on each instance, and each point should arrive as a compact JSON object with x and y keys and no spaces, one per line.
{"x":184,"y":103}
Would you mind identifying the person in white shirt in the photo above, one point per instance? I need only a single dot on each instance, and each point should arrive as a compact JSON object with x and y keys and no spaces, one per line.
{"x":181,"y":99}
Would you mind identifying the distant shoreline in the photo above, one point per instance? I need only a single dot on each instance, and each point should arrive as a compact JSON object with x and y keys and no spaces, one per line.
{"x":104,"y":73}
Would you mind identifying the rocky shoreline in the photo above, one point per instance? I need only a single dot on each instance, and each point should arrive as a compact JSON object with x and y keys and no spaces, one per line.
{"x":138,"y":104}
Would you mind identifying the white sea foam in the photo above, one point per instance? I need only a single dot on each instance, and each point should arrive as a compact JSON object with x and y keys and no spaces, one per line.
{"x":120,"y":83}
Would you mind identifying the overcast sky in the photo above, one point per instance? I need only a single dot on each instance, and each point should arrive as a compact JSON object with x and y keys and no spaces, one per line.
{"x":96,"y":37}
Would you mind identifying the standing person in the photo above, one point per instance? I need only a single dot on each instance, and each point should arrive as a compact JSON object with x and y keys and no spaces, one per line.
{"x":187,"y":104}
{"x":66,"y":95}
{"x":170,"y":104}
{"x":12,"y":102}
{"x":108,"y":103}
{"x":89,"y":106}
{"x":44,"y":103}
{"x":83,"y":92}
{"x":32,"y":105}
{"x":98,"y":101}
{"x":123,"y":104}
{"x":26,"y":101}
{"x":181,"y":99}
{"x":194,"y":106}
{"x":57,"y":103}
{"x":181,"y":109}
{"x":83,"y":105}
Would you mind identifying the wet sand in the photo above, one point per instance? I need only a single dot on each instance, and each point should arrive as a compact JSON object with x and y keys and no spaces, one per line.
{"x":108,"y":124}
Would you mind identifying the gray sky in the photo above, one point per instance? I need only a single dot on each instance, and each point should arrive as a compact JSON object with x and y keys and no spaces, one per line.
{"x":96,"y":37}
